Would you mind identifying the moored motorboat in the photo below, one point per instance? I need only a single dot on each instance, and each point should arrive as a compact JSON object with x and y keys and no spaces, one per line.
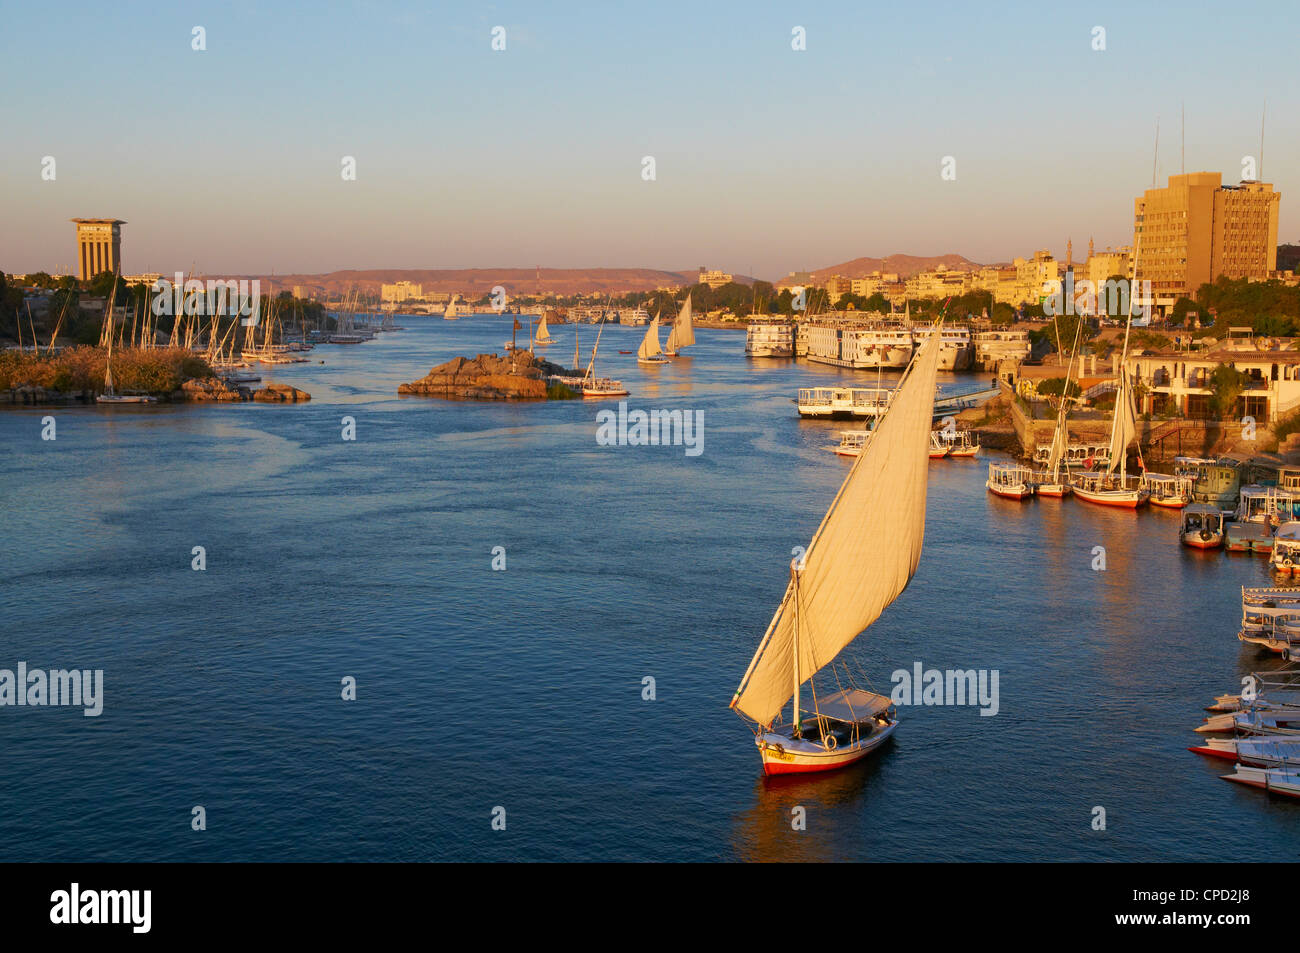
{"x":851,"y":443}
{"x":961,"y":443}
{"x":1257,"y":751}
{"x":1202,"y":527}
{"x":1010,"y":480}
{"x":1276,"y":780}
{"x":1285,"y":557}
{"x":1170,"y":492}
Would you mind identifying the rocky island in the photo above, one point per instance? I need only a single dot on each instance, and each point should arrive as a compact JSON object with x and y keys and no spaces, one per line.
{"x":519,"y":375}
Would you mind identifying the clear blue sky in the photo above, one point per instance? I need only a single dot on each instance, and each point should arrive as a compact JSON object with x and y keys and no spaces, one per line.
{"x":767,"y":159}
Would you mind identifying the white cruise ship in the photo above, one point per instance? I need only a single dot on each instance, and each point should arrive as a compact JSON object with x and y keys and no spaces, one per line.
{"x":956,"y":350}
{"x":769,"y":339}
{"x":859,"y":346}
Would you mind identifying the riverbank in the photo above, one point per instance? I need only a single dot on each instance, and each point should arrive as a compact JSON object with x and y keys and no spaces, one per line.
{"x":76,"y":376}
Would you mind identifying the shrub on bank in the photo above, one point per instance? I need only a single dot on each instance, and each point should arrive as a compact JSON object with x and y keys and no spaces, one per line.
{"x":154,"y":371}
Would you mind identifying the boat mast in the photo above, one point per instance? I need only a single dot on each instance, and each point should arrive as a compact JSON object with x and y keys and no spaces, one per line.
{"x":794,"y":579}
{"x":1123,"y":358}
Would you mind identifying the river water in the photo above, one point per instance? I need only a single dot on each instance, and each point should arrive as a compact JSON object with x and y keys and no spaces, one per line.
{"x":522,"y":689}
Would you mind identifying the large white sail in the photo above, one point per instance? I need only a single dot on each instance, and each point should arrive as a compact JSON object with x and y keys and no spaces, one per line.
{"x":542,"y":333}
{"x":864,"y":553}
{"x":1060,"y":434}
{"x":650,"y":343}
{"x":683,"y":332}
{"x":1124,"y":428}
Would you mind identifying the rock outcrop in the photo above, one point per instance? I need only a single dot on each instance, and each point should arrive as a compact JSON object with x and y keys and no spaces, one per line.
{"x":211,"y":389}
{"x":281,"y":393}
{"x":520,"y":375}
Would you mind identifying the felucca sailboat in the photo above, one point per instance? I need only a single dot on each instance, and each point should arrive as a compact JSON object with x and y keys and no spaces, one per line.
{"x":1052,"y":485}
{"x":543,"y":337}
{"x":1108,"y":489}
{"x":593,"y":386}
{"x":683,"y":332}
{"x":650,"y":352}
{"x":861,"y":558}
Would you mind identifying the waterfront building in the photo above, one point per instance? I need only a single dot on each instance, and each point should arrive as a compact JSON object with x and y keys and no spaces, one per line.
{"x":400,"y":291}
{"x":149,"y":279}
{"x":1196,"y":229}
{"x":836,"y":287}
{"x":99,"y":245}
{"x":1176,"y":382}
{"x":714,"y":279}
{"x":993,"y":346}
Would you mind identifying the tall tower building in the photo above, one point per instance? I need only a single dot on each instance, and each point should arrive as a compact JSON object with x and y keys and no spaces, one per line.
{"x":1197,"y":229}
{"x":99,"y":245}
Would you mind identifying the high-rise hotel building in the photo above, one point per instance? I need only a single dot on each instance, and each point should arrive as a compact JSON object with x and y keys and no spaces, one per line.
{"x":1196,"y":229}
{"x":99,"y":246}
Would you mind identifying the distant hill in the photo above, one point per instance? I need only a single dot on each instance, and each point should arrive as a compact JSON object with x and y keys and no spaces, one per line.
{"x":476,"y":282}
{"x":903,"y":265}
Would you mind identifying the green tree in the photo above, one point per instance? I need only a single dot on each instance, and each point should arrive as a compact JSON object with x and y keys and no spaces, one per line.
{"x":1226,"y":384}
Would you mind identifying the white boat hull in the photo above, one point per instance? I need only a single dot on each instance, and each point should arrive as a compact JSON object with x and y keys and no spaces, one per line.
{"x":781,"y":754}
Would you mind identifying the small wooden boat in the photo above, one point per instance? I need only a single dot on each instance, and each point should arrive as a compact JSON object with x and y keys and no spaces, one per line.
{"x":1106,"y":490}
{"x":1109,"y":488}
{"x":1284,"y":781}
{"x":543,"y":336}
{"x":650,"y":353}
{"x":1010,"y":480}
{"x":1286,"y":548}
{"x":627,"y":352}
{"x":961,"y":443}
{"x":852,"y":443}
{"x":683,"y":332}
{"x":938,"y":446}
{"x":1202,"y":527}
{"x":598,"y":387}
{"x":1170,"y":492}
{"x":859,"y":561}
{"x":1259,"y":752}
{"x":110,"y":396}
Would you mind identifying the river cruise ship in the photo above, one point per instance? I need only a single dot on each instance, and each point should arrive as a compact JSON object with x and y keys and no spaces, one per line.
{"x":769,"y":339}
{"x":859,"y":346}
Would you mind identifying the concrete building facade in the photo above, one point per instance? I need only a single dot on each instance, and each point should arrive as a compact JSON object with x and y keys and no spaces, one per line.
{"x":99,"y":245}
{"x":1195,"y":229}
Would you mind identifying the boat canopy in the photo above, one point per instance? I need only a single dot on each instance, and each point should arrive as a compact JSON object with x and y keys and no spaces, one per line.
{"x":852,"y":704}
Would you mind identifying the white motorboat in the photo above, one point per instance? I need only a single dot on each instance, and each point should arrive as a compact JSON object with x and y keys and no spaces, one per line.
{"x":1010,"y":480}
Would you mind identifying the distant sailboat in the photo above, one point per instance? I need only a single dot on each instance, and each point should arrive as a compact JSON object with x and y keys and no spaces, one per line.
{"x":860,"y":560}
{"x":650,"y":352}
{"x":110,"y":396}
{"x":683,"y":332}
{"x":593,"y":386}
{"x":543,"y":337}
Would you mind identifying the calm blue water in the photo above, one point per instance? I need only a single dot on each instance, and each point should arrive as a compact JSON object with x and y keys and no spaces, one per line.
{"x":522,"y":688}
